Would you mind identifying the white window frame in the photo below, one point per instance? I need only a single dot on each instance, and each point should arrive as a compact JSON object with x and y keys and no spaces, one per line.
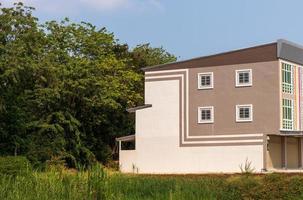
{"x":250,"y":119}
{"x":288,"y":124}
{"x":287,"y":88}
{"x":238,"y":84}
{"x":211,"y":108}
{"x":211,"y":86}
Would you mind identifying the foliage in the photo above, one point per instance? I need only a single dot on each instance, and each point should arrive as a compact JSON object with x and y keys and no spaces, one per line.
{"x":144,"y":55}
{"x":65,"y":87}
{"x":99,"y":183}
{"x":247,"y":168}
{"x":14,"y":165}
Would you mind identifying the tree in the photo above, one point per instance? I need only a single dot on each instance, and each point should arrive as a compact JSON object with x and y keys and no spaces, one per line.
{"x":144,"y":55}
{"x":65,"y":87}
{"x":20,"y":46}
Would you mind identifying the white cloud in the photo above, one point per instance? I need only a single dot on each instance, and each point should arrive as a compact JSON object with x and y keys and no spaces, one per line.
{"x":106,"y":5}
{"x":48,"y":6}
{"x":75,"y":6}
{"x":27,"y":2}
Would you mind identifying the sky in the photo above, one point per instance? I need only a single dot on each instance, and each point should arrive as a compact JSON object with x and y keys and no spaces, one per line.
{"x":186,"y":28}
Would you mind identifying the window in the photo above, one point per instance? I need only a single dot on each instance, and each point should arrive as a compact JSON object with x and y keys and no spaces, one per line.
{"x":205,"y":80}
{"x":243,"y":77}
{"x":244,"y":113}
{"x":287,"y":78}
{"x":287,"y":121}
{"x":206,"y":114}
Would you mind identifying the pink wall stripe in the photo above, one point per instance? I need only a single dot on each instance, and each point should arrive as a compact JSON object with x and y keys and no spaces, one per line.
{"x":299,"y":80}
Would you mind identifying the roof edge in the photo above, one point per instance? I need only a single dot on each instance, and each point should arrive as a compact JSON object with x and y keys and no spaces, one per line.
{"x":126,"y":138}
{"x":281,"y":41}
{"x":212,"y":55}
{"x":138,"y":108}
{"x":290,"y":51}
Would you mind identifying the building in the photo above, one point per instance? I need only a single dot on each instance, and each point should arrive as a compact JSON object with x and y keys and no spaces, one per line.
{"x":216,"y":113}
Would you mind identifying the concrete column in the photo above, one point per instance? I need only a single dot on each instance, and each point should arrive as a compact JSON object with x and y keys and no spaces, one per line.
{"x":300,"y":153}
{"x":284,"y":152}
{"x":119,"y":147}
{"x":265,"y":152}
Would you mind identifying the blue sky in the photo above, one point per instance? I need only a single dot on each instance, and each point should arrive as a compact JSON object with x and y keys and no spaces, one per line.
{"x":186,"y":28}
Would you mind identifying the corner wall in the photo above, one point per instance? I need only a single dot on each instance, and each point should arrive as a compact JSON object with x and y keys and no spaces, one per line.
{"x":158,"y":148}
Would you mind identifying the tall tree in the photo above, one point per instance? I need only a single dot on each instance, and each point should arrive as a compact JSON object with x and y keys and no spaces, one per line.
{"x":65,"y":87}
{"x":144,"y":55}
{"x":21,"y":42}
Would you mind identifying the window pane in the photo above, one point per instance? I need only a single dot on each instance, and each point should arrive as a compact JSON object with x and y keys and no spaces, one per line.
{"x":205,"y":114}
{"x":287,"y":79}
{"x":287,"y":109}
{"x":244,"y":112}
{"x":205,"y":80}
{"x":243,"y":77}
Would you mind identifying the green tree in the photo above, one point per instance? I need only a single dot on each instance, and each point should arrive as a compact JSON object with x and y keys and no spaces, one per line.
{"x":65,"y":87}
{"x":21,"y":42}
{"x":141,"y":56}
{"x":144,"y":55}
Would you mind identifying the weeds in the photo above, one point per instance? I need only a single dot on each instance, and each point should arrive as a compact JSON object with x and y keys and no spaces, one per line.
{"x":247,"y":168}
{"x":100,"y":183}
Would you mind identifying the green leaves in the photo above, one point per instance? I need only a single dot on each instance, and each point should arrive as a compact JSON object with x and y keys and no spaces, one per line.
{"x":144,"y":56}
{"x":65,"y":87}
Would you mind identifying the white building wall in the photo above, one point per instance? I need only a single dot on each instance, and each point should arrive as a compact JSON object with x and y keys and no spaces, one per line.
{"x":157,"y":140}
{"x":127,"y":160}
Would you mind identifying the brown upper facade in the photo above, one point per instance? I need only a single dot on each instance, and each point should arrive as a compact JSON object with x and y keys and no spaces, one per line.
{"x":259,"y":100}
{"x":237,"y":95}
{"x":283,"y":49}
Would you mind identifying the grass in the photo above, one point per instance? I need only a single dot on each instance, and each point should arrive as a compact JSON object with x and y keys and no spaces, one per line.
{"x":99,"y":183}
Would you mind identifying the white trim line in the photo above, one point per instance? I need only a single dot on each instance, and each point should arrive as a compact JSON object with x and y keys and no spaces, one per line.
{"x":298,"y":99}
{"x":288,"y":130}
{"x":168,"y":76}
{"x":244,"y":136}
{"x":227,"y":136}
{"x":280,"y":94}
{"x":187,"y":106}
{"x":250,"y":119}
{"x":222,"y":142}
{"x":211,"y":86}
{"x":243,"y":84}
{"x":182,"y":106}
{"x":165,"y":71}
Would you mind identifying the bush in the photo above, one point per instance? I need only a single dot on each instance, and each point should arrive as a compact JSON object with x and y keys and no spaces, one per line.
{"x":14,"y":165}
{"x":247,"y":186}
{"x":56,"y":163}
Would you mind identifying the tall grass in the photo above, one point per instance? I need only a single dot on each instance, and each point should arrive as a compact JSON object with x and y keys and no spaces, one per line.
{"x":99,"y":183}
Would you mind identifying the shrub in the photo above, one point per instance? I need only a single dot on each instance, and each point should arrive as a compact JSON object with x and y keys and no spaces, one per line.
{"x":274,"y":186}
{"x":247,"y":168}
{"x":114,"y":165}
{"x":247,"y":186}
{"x":56,"y":163}
{"x":14,"y":165}
{"x":294,"y":190}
